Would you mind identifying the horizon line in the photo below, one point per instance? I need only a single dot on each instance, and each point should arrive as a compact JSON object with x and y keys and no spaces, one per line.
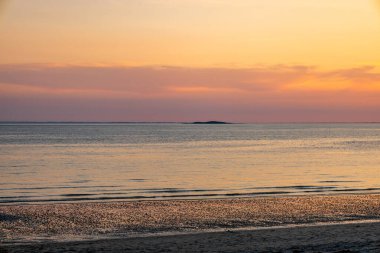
{"x":182,"y":122}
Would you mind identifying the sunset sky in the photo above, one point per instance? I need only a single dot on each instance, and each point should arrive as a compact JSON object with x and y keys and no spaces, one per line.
{"x":186,"y":60}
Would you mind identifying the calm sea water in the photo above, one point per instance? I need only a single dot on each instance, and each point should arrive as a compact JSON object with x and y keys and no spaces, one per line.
{"x":85,"y":162}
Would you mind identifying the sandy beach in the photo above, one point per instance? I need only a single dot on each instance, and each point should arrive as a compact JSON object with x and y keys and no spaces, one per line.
{"x":233,"y":225}
{"x":342,"y":238}
{"x":190,"y":126}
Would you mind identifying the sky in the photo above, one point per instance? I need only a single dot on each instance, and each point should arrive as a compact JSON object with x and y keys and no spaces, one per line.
{"x":190,"y":60}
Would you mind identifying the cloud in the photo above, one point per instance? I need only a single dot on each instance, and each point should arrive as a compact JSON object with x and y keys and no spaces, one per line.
{"x":144,"y":81}
{"x":263,"y":93}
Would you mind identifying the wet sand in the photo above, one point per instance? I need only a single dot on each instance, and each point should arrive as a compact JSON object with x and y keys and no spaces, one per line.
{"x":362,"y":237}
{"x":82,"y":226}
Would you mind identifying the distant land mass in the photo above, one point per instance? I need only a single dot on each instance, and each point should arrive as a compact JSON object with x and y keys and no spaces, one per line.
{"x":210,"y":122}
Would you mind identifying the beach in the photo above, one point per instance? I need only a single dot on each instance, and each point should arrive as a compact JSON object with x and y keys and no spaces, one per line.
{"x":343,"y":238}
{"x":190,"y":126}
{"x":304,"y":223}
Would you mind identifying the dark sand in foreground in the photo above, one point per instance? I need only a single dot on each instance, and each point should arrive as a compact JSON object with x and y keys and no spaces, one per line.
{"x":82,"y":226}
{"x":343,"y":238}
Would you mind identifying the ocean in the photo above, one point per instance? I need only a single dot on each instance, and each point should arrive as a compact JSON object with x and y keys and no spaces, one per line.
{"x":64,"y":162}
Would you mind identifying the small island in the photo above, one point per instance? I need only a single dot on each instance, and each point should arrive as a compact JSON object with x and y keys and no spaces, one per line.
{"x":210,"y":122}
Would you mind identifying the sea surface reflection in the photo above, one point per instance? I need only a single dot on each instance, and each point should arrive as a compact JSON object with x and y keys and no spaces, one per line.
{"x":89,"y":162}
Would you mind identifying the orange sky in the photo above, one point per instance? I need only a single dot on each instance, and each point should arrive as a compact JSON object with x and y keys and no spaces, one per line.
{"x":167,"y":60}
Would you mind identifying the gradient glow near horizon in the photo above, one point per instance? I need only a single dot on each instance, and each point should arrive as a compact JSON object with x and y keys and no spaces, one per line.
{"x":167,"y":60}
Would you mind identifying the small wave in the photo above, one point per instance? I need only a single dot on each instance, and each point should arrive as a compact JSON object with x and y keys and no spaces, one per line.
{"x":179,"y":190}
{"x":80,"y":181}
{"x":258,"y":193}
{"x":356,"y":189}
{"x":17,"y":197}
{"x":77,"y":195}
{"x":340,"y":181}
{"x":184,"y":196}
{"x":179,"y":193}
{"x":137,"y":180}
{"x":60,"y":187}
{"x":296,"y":187}
{"x":19,"y":173}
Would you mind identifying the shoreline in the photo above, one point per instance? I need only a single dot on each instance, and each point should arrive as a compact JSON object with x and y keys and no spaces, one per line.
{"x":311,"y":223}
{"x":190,"y":198}
{"x":23,"y":223}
